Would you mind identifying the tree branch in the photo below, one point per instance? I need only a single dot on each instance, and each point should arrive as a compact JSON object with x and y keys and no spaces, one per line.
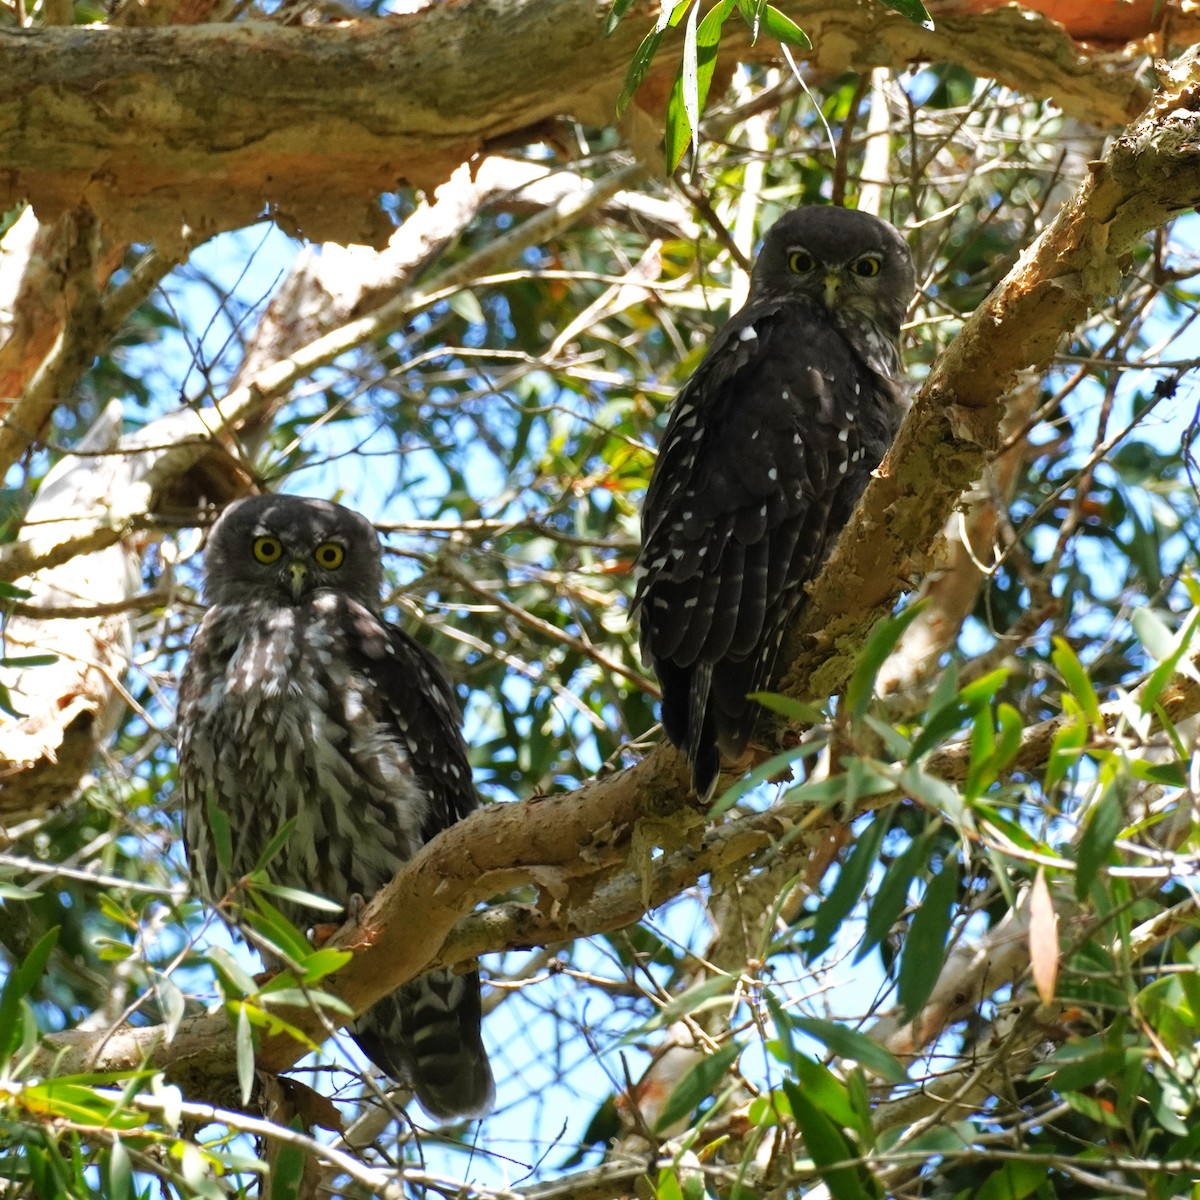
{"x":127,"y":122}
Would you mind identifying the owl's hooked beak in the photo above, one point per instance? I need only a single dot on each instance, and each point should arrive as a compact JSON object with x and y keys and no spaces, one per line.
{"x":297,"y":577}
{"x":832,"y":282}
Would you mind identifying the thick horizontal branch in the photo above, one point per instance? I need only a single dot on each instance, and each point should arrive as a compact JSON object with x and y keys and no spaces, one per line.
{"x":132,"y":123}
{"x":577,"y":851}
{"x":565,"y":846}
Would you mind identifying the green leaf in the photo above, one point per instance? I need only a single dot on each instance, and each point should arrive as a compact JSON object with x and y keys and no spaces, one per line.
{"x":76,"y":1098}
{"x":14,"y":891}
{"x":1173,"y":663}
{"x":324,"y":962}
{"x":783,"y":28}
{"x":696,"y":999}
{"x":828,"y":1147}
{"x":1065,"y":749}
{"x":892,"y":893}
{"x":283,"y":992}
{"x":120,"y":1172}
{"x":880,"y":643}
{"x":29,"y":660}
{"x":277,"y":842}
{"x":849,"y":887}
{"x":615,"y":13}
{"x":170,"y":1000}
{"x":1169,"y":774}
{"x":274,"y":1024}
{"x":20,"y":982}
{"x":1076,"y":678}
{"x":697,"y":1085}
{"x":983,"y":690}
{"x":465,"y":305}
{"x":689,"y":71}
{"x":1103,"y":825}
{"x":668,"y":1185}
{"x":764,"y":772}
{"x":825,"y":1091}
{"x":914,"y":10}
{"x":219,"y":830}
{"x":938,"y":727}
{"x":799,"y":711}
{"x":677,"y":135}
{"x":233,"y":978}
{"x":945,"y":691}
{"x":638,"y":67}
{"x":1013,"y":1181}
{"x":842,"y":789}
{"x":1155,"y":635}
{"x":934,"y":793}
{"x":1082,"y":1065}
{"x":6,"y":704}
{"x":1008,"y":741}
{"x":983,"y":745}
{"x":690,"y":92}
{"x":782,"y":1045}
{"x":266,"y":920}
{"x":245,"y":1054}
{"x":296,"y":896}
{"x":672,"y":16}
{"x":752,"y":14}
{"x":924,"y":952}
{"x":848,"y":1043}
{"x":287,"y":1169}
{"x":897,"y":745}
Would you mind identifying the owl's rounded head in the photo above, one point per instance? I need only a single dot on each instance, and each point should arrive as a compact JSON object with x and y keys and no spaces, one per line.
{"x":281,"y":549}
{"x":842,"y":259}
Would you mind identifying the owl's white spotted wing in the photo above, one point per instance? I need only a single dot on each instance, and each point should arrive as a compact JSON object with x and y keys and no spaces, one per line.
{"x":429,"y":1031}
{"x":768,"y":448}
{"x":417,"y":699}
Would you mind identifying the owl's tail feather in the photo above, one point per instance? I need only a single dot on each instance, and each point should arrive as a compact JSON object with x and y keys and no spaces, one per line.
{"x":428,"y":1035}
{"x":688,"y":720}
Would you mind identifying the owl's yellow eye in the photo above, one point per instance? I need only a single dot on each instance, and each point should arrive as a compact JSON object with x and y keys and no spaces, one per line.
{"x":330,"y":555}
{"x":868,"y":266}
{"x":268,"y":549}
{"x":801,"y":262}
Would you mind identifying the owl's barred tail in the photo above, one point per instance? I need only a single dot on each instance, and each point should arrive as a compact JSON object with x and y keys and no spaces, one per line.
{"x":427,"y":1035}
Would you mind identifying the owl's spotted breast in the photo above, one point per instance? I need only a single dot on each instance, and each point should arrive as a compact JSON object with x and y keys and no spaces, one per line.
{"x":278,"y":712}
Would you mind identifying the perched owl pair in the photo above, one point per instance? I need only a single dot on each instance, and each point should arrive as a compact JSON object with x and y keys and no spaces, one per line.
{"x":300,"y":703}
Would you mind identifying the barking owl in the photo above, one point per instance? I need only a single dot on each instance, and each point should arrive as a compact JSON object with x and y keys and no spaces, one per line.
{"x":300,"y":702}
{"x":769,"y":446}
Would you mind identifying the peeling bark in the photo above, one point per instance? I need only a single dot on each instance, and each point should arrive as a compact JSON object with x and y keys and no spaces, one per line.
{"x":310,"y":125}
{"x":68,"y":706}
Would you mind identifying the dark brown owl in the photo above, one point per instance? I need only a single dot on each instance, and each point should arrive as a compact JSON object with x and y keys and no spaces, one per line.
{"x":300,"y":702}
{"x":768,"y":448}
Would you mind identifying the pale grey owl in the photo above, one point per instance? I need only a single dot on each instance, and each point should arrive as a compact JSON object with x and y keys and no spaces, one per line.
{"x":299,"y":701}
{"x":768,"y":448}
